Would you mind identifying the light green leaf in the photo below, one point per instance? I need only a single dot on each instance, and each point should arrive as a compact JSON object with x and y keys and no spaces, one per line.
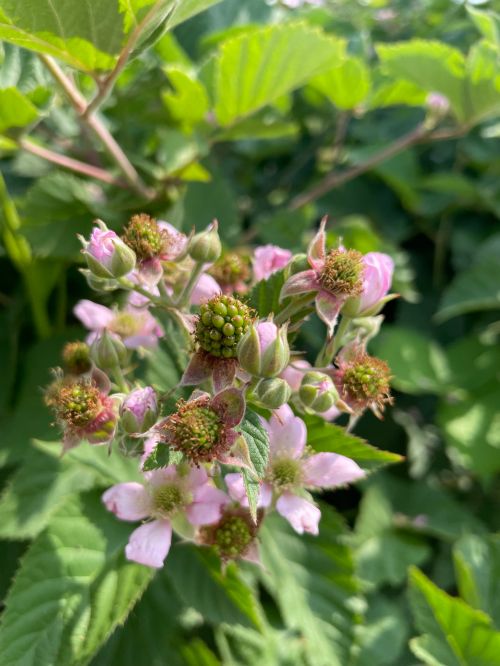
{"x":483,"y":82}
{"x":188,"y":102}
{"x":73,"y":587}
{"x":487,"y":22}
{"x":257,"y":440}
{"x":15,"y":109}
{"x":323,"y":436}
{"x":477,"y":568}
{"x":188,"y":8}
{"x":312,"y":580}
{"x":454,"y":634}
{"x":256,"y":68}
{"x":383,"y":634}
{"x":431,"y":65}
{"x":158,"y":458}
{"x":393,"y":93}
{"x":346,"y":85}
{"x":477,"y":287}
{"x":418,"y":364}
{"x":166,"y":364}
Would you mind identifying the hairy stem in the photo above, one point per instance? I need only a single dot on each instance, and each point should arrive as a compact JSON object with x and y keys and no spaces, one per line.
{"x":113,"y":149}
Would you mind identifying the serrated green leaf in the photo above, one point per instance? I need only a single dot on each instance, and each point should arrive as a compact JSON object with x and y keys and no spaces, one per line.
{"x":252,"y":489}
{"x":313,"y":582}
{"x":431,"y":65}
{"x":346,"y":85}
{"x":455,"y":633}
{"x":477,"y":570}
{"x":258,"y":67}
{"x":257,"y":439}
{"x":323,"y":436}
{"x":265,"y":295}
{"x":15,"y":109}
{"x":73,"y":587}
{"x":159,"y":457}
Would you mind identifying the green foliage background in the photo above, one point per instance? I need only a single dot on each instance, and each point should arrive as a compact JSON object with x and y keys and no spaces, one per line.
{"x":267,"y":119}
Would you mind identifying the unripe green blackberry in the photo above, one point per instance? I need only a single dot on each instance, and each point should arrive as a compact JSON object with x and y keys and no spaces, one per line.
{"x":232,"y":270}
{"x":76,"y":357}
{"x":222,"y":322}
{"x":144,"y":236}
{"x":76,"y":404}
{"x":364,"y":381}
{"x":342,"y":274}
{"x":232,"y":536}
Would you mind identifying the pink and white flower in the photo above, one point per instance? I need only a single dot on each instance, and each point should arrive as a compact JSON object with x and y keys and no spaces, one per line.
{"x":268,"y":259}
{"x":334,"y":277}
{"x":378,"y":269}
{"x":291,"y":470}
{"x":165,"y":495}
{"x":136,"y":326}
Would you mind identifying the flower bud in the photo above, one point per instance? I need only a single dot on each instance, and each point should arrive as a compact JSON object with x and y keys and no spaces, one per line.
{"x":108,"y":351}
{"x":76,"y":357}
{"x":317,"y":391}
{"x":139,"y":410}
{"x":272,"y":393}
{"x":205,"y":247}
{"x":298,"y":264}
{"x":263,"y":351}
{"x":107,"y":256}
{"x":101,"y":285}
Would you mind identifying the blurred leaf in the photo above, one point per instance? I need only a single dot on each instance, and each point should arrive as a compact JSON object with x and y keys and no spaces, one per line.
{"x":313,"y":582}
{"x":346,"y":85}
{"x":195,"y":574}
{"x":15,"y":109}
{"x":285,"y":228}
{"x":477,"y":287}
{"x":483,"y":82}
{"x":390,"y":92}
{"x":431,"y":65}
{"x":477,"y":567}
{"x":166,"y":364}
{"x":454,"y":633}
{"x":73,"y":587}
{"x":324,"y":436}
{"x":487,"y":22}
{"x":384,"y":551}
{"x":418,"y":364}
{"x":383,"y":634}
{"x":188,"y":101}
{"x":256,"y":68}
{"x":240,"y":645}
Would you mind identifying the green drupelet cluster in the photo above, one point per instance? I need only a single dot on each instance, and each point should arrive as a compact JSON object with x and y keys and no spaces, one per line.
{"x":222,"y":323}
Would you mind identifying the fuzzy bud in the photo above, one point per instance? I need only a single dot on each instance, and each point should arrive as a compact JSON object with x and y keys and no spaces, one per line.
{"x":298,"y":264}
{"x":317,"y":392}
{"x":264,"y":351}
{"x":139,"y":410}
{"x":107,"y":256}
{"x":205,"y":247}
{"x":108,"y":351}
{"x":272,"y":393}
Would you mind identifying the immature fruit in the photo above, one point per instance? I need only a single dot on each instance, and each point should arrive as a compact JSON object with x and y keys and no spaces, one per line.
{"x":76,"y":357}
{"x":144,"y":236}
{"x":222,"y":323}
{"x":342,"y":274}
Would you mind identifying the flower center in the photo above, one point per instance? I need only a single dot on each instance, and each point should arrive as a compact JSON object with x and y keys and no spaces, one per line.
{"x":285,"y":472}
{"x":222,"y":322}
{"x":231,"y":269}
{"x":76,"y":358}
{"x":197,"y":428}
{"x":167,"y":499}
{"x":232,"y":536}
{"x":367,"y":379}
{"x":77,"y":404}
{"x":125,"y":324}
{"x":342,"y":274}
{"x":143,"y":235}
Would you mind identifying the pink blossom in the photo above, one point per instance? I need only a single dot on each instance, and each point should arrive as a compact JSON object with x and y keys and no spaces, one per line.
{"x":137,"y":327}
{"x":177,"y":242}
{"x":268,"y":259}
{"x":163,"y":497}
{"x":378,"y":269}
{"x":107,"y":256}
{"x":320,"y":279}
{"x":291,"y":470}
{"x":204,"y":289}
{"x":102,"y":245}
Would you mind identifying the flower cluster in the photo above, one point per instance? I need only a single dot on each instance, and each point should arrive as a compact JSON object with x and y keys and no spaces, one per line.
{"x":197,"y":457}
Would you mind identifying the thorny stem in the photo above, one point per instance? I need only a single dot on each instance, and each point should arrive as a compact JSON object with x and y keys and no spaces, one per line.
{"x":107,"y":84}
{"x":113,"y":149}
{"x":333,"y":180}
{"x":70,"y":163}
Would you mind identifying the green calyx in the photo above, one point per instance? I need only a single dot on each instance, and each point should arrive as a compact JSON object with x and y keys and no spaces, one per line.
{"x":143,"y":235}
{"x":76,"y":357}
{"x":232,"y":536}
{"x":222,"y":322}
{"x":167,"y":499}
{"x":285,"y":472}
{"x":342,"y":274}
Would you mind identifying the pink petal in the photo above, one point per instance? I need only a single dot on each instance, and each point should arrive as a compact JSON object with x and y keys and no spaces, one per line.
{"x":268,"y":259}
{"x":159,"y":477}
{"x":294,"y":372}
{"x":316,"y":250}
{"x":328,"y":308}
{"x":205,"y":288}
{"x":206,"y":507}
{"x":128,"y":501}
{"x":252,"y":554}
{"x":197,"y":371}
{"x":196,"y":477}
{"x":300,"y":283}
{"x":302,"y":515}
{"x":287,"y":433}
{"x":149,"y":544}
{"x":378,"y":270}
{"x":328,"y":470}
{"x":230,"y":403}
{"x":136,"y":341}
{"x":177,"y":240}
{"x":330,"y":414}
{"x":236,"y":489}
{"x":92,"y":315}
{"x":223,"y":373}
